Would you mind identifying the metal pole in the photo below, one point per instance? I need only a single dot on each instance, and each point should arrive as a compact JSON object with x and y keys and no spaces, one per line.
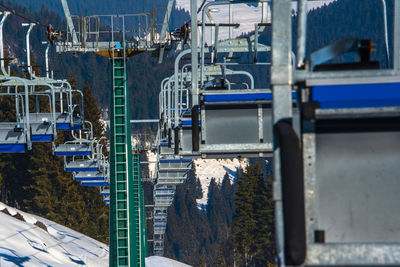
{"x":5,"y":15}
{"x":230,"y":22}
{"x":28,"y":50}
{"x":166,"y":21}
{"x":301,"y":32}
{"x":396,"y":45}
{"x":281,"y":81}
{"x":176,"y":83}
{"x":195,"y":61}
{"x":47,"y":60}
{"x":69,"y":21}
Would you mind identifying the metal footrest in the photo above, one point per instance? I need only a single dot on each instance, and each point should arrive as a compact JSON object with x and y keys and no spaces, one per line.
{"x":65,"y":122}
{"x":182,"y":165}
{"x":89,"y":176}
{"x":98,"y":183}
{"x":82,"y":166}
{"x":74,"y":149}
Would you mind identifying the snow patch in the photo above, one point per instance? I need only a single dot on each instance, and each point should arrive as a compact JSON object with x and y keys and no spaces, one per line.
{"x":152,"y":158}
{"x":157,"y":261}
{"x":206,"y":169}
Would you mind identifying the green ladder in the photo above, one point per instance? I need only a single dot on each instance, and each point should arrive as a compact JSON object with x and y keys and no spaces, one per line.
{"x":128,"y":244}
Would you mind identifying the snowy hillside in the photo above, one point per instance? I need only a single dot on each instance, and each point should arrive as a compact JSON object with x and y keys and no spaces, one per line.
{"x":24,"y":243}
{"x":206,"y":169}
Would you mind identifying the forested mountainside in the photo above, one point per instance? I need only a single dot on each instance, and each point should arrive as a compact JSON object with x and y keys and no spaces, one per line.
{"x":95,"y":7}
{"x":235,"y":228}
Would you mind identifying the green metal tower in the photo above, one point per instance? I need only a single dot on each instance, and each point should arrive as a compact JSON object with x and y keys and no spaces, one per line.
{"x":128,"y":242}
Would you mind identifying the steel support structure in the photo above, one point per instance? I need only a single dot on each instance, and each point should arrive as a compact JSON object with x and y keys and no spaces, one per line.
{"x":128,"y":245}
{"x":281,"y":81}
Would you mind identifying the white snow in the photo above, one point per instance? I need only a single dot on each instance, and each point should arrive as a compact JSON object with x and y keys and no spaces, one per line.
{"x":152,"y":158}
{"x":206,"y":169}
{"x":157,"y":261}
{"x":25,"y":244}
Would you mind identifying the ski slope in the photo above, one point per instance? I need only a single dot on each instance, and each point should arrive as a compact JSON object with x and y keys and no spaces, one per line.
{"x":22,"y":243}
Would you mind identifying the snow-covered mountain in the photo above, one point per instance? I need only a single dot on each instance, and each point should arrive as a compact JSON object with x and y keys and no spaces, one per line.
{"x":28,"y":240}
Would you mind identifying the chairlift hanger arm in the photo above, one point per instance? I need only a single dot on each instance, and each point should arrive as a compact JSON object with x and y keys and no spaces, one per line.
{"x":69,"y":21}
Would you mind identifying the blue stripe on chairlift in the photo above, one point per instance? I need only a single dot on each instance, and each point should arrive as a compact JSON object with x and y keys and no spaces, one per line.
{"x":100,"y":183}
{"x":237,"y":97}
{"x":164,"y":144}
{"x":12,"y":148}
{"x":240,"y":97}
{"x":175,"y":160}
{"x":164,"y":195}
{"x":357,"y":95}
{"x":165,"y":189}
{"x":73,"y":153}
{"x":189,"y":123}
{"x":63,"y":126}
{"x":82,"y":169}
{"x":42,"y":137}
{"x":66,"y":126}
{"x":104,"y":194}
{"x":91,"y":178}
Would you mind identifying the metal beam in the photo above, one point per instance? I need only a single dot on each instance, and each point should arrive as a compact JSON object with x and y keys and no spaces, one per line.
{"x":195,"y":60}
{"x":301,"y":32}
{"x":281,"y":81}
{"x":396,"y":45}
{"x":166,"y":20}
{"x":69,"y":21}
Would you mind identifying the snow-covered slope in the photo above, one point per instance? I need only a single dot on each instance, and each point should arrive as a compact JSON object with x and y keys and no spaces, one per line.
{"x":157,"y":261}
{"x":22,"y":243}
{"x":206,"y":169}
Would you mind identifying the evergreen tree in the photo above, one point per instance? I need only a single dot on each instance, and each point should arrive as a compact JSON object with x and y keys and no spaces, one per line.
{"x":253,"y":224}
{"x":92,"y":111}
{"x":244,"y":223}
